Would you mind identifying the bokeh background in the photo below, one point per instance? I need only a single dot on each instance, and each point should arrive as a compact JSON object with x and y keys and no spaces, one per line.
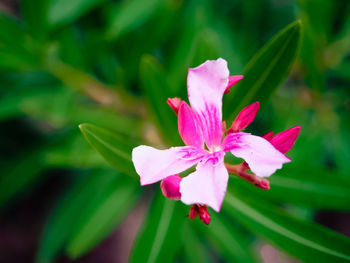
{"x":64,"y":62}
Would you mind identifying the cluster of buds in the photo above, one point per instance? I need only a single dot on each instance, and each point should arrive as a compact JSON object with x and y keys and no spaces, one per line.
{"x":282,"y":141}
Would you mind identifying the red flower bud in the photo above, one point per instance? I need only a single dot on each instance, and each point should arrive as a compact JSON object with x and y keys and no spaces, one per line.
{"x":204,"y":214}
{"x":193,"y":211}
{"x":200,"y":210}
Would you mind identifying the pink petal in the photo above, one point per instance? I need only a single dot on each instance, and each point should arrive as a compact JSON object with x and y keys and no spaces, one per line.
{"x":245,"y":117}
{"x":232,"y":80}
{"x":206,"y":85}
{"x":189,"y":126}
{"x":174,"y":104}
{"x":263,"y":159}
{"x":153,"y":165}
{"x":170,"y":187}
{"x":285,"y":140}
{"x":206,"y":186}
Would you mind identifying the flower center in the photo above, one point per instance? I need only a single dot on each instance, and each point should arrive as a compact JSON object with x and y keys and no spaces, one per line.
{"x":215,"y":148}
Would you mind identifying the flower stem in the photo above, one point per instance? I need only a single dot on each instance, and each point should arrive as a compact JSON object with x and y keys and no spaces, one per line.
{"x":239,"y":170}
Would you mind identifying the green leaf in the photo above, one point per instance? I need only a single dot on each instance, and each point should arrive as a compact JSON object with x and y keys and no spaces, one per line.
{"x":114,"y":148}
{"x":65,"y":11}
{"x":84,"y":203}
{"x":302,"y":239}
{"x":181,"y":57}
{"x":228,"y":240}
{"x":16,"y":59}
{"x":156,"y":89}
{"x":73,"y":151}
{"x":63,"y":107}
{"x":315,"y":188}
{"x":265,"y":71}
{"x":36,"y":17}
{"x":129,"y":15}
{"x":102,"y":217}
{"x":194,"y":250}
{"x":15,"y":47}
{"x":20,"y":175}
{"x":67,"y":212}
{"x":159,"y":238}
{"x":12,"y":32}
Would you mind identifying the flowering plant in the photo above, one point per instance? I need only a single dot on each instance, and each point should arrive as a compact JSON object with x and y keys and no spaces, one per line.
{"x":114,"y":64}
{"x":202,"y":124}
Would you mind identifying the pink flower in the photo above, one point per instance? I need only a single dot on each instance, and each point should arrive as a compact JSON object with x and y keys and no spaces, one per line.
{"x":201,"y":128}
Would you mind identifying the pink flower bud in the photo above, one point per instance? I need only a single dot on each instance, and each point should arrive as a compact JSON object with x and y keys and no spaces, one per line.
{"x":174,"y":104}
{"x":245,"y":117}
{"x":170,"y":187}
{"x":285,"y":140}
{"x":232,"y":80}
{"x":268,"y":136}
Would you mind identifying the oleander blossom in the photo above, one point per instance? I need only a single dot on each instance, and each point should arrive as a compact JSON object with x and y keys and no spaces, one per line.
{"x":207,"y":140}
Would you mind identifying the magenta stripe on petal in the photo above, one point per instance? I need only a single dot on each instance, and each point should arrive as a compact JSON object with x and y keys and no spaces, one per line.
{"x":206,"y":85}
{"x":206,"y":186}
{"x":189,"y":126}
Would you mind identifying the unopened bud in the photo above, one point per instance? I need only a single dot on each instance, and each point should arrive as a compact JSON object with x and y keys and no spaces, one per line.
{"x":174,"y":104}
{"x":232,"y":80}
{"x":193,"y":211}
{"x":200,"y":210}
{"x":245,"y":117}
{"x":170,"y":187}
{"x":204,"y":214}
{"x":268,"y":136}
{"x":285,"y":140}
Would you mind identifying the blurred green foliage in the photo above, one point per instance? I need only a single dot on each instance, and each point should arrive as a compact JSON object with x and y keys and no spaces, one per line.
{"x":113,"y":64}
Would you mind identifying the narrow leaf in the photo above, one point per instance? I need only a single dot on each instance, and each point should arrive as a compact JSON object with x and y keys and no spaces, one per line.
{"x":66,"y":11}
{"x":227,"y":239}
{"x":12,"y":32}
{"x":66,"y":214}
{"x":265,"y":71}
{"x":20,"y":175}
{"x":114,"y":148}
{"x":36,"y":17}
{"x":194,"y":250}
{"x":302,"y":239}
{"x":130,"y":14}
{"x":156,"y":89}
{"x":315,"y":189}
{"x":86,"y":202}
{"x":159,"y":238}
{"x":105,"y":214}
